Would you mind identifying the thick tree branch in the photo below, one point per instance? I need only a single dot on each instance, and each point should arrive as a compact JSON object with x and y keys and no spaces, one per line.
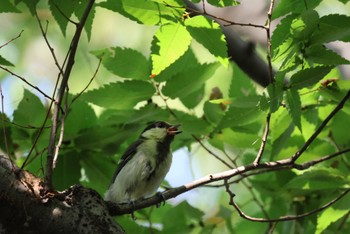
{"x":23,"y":207}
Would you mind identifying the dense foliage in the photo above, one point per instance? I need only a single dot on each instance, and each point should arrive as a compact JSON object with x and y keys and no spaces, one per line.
{"x":186,"y":77}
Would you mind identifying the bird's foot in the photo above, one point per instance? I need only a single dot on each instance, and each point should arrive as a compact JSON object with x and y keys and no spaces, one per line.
{"x":161,"y":196}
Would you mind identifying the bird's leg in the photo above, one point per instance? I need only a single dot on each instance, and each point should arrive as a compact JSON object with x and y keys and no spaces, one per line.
{"x":161,"y":196}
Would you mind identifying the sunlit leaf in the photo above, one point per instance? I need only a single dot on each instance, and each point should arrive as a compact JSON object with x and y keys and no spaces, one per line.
{"x":170,"y":42}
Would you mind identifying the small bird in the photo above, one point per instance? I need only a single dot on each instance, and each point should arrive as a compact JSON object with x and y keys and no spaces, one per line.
{"x":144,"y":164}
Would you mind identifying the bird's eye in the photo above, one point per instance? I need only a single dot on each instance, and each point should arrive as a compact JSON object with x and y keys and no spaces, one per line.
{"x":160,"y":125}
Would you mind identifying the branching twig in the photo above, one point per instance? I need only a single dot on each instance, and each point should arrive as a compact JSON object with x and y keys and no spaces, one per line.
{"x":61,"y":91}
{"x":287,"y":217}
{"x":19,"y":35}
{"x":28,"y":83}
{"x":320,"y":128}
{"x":263,"y":141}
{"x":44,"y":33}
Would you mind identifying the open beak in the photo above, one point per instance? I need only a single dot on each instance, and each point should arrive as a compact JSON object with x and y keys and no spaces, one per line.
{"x":173,"y":130}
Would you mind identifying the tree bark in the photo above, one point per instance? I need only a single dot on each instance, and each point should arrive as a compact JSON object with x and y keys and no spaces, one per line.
{"x":23,"y":209}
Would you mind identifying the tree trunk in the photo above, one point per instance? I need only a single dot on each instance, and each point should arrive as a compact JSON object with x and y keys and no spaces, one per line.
{"x":24,"y":209}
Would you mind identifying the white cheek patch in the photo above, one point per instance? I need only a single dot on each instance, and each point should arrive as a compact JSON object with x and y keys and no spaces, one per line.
{"x":155,"y":133}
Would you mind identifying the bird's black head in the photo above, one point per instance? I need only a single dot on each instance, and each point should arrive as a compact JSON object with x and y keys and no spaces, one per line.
{"x":160,"y":130}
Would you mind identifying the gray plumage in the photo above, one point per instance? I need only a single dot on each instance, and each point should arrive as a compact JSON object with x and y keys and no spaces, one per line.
{"x":144,"y":164}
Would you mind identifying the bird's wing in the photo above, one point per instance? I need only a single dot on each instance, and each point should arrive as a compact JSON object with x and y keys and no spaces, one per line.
{"x":128,"y":154}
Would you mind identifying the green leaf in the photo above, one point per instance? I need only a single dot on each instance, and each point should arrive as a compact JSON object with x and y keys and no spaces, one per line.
{"x":242,"y":111}
{"x":125,"y":62}
{"x":275,"y":91}
{"x":190,"y":83}
{"x":5,"y":62}
{"x":241,"y":85}
{"x":332,"y":214}
{"x":98,"y":170}
{"x":282,"y":32}
{"x":67,"y":171}
{"x":213,"y":112}
{"x":120,"y":95}
{"x":30,"y":111}
{"x":294,"y":106}
{"x":303,"y":27}
{"x":309,"y":76}
{"x":7,"y":6}
{"x":79,"y":12}
{"x":31,"y":4}
{"x":190,"y":124}
{"x":318,"y":179}
{"x":186,"y":216}
{"x":321,"y":55}
{"x":332,"y":28}
{"x":83,"y":112}
{"x":208,"y":33}
{"x":170,"y":42}
{"x":61,"y":11}
{"x":145,"y":12}
{"x":223,"y":3}
{"x":186,"y":61}
{"x":293,"y":6}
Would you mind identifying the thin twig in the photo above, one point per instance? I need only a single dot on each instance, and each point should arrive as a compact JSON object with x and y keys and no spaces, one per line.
{"x":61,"y":92}
{"x":268,"y":36}
{"x":287,"y":217}
{"x":4,"y":127}
{"x":28,"y":83}
{"x":44,"y":34}
{"x":211,"y":152}
{"x":88,"y":84}
{"x":19,"y":35}
{"x":263,"y":141}
{"x":320,"y":128}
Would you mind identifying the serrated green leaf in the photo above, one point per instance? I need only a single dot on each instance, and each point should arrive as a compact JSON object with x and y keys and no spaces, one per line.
{"x":61,"y":11}
{"x":275,"y":91}
{"x":170,"y":42}
{"x":81,"y":116}
{"x":186,"y":61}
{"x":309,"y":76}
{"x":67,"y":171}
{"x":5,"y":62}
{"x":125,"y":62}
{"x":321,"y":55}
{"x":294,"y":106}
{"x":208,"y":33}
{"x":30,"y":111}
{"x":318,"y":179}
{"x":332,"y":214}
{"x":120,"y":95}
{"x":242,"y":111}
{"x":145,"y":12}
{"x":190,"y":82}
{"x":31,"y":4}
{"x":79,"y":12}
{"x":213,"y":112}
{"x":281,"y":32}
{"x":7,"y":6}
{"x":241,"y":85}
{"x":303,"y":27}
{"x":332,"y":28}
{"x":293,"y":6}
{"x":190,"y":124}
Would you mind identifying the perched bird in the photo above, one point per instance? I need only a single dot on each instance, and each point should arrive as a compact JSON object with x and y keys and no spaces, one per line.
{"x":144,"y":164}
